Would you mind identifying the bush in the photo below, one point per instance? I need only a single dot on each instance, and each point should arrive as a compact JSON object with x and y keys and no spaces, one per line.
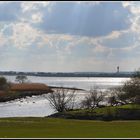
{"x":129,"y":92}
{"x":93,"y":99}
{"x":4,"y":85}
{"x":62,"y":99}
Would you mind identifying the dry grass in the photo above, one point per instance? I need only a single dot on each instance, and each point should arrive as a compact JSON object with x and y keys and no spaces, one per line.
{"x":29,"y":87}
{"x":17,"y":91}
{"x":2,"y":93}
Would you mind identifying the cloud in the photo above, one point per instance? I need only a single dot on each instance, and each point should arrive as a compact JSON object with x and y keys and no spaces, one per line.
{"x":37,"y":17}
{"x":73,"y":18}
{"x":33,"y":6}
{"x":20,"y":35}
{"x":23,"y":35}
{"x":48,"y":36}
{"x":82,"y":19}
{"x":22,"y":11}
{"x":134,"y":8}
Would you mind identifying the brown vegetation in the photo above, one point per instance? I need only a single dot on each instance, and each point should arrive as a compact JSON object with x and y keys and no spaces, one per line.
{"x":2,"y":93}
{"x":30,"y":87}
{"x":17,"y":91}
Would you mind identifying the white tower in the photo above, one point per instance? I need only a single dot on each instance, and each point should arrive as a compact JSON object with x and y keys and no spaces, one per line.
{"x":118,"y":69}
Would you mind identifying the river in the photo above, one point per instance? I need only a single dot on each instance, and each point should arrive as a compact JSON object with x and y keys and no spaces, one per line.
{"x":38,"y":106}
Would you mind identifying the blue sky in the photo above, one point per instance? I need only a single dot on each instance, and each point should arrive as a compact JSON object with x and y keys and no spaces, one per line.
{"x":69,"y":36}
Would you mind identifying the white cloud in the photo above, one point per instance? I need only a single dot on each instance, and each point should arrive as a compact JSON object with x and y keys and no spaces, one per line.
{"x":126,"y":3}
{"x":28,"y":6}
{"x":134,"y":8}
{"x":37,"y":17}
{"x":32,"y":6}
{"x":32,"y":11}
{"x":23,"y":35}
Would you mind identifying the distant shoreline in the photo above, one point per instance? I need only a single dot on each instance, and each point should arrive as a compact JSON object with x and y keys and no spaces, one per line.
{"x":124,"y":74}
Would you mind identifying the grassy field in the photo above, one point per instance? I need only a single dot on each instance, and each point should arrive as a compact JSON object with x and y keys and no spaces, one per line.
{"x":62,"y":128}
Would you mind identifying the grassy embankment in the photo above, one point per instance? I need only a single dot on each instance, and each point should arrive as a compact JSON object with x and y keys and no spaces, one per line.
{"x":124,"y":112}
{"x":62,"y":128}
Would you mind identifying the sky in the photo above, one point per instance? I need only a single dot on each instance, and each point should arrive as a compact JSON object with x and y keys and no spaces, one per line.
{"x":76,"y":36}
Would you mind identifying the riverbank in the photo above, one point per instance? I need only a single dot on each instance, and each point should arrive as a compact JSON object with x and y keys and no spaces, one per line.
{"x":123,"y":112}
{"x":69,"y":88}
{"x":19,"y":91}
{"x":32,"y":127}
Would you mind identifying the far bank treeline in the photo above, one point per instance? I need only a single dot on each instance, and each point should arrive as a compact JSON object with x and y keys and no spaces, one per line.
{"x":69,"y":74}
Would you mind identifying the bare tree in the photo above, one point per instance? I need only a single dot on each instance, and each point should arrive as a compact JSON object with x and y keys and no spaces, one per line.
{"x":112,"y":100}
{"x":62,"y":99}
{"x":116,"y":96}
{"x":93,"y":99}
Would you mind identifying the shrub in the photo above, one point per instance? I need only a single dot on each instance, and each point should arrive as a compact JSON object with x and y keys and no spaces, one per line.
{"x":4,"y":85}
{"x":93,"y":99}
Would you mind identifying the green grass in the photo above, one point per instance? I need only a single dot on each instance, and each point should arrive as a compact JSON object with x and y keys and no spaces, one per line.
{"x":130,"y":106}
{"x":62,"y":128}
{"x":104,"y":110}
